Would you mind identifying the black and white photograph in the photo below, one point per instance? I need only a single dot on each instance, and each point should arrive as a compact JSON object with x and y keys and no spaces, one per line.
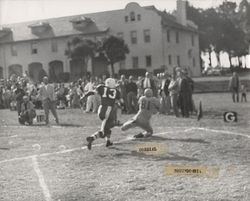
{"x":124,"y":100}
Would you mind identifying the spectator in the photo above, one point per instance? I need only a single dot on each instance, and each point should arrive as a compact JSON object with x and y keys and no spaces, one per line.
{"x":243,"y":93}
{"x":191,"y":105}
{"x":74,"y":95}
{"x":164,"y":93}
{"x":131,"y":89}
{"x":1,"y":97}
{"x":122,"y":88}
{"x":139,"y":87}
{"x":61,"y":96}
{"x":148,"y":82}
{"x":174,"y":93}
{"x":183,"y":93}
{"x":91,"y":99}
{"x":19,"y":94}
{"x":234,"y":84}
{"x":28,"y":112}
{"x":34,"y":97}
{"x":7,"y":97}
{"x":47,"y":94}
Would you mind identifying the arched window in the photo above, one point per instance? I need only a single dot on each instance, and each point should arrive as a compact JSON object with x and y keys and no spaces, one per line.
{"x":132,"y":16}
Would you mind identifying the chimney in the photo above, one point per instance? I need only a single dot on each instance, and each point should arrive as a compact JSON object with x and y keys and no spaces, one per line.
{"x":181,"y":14}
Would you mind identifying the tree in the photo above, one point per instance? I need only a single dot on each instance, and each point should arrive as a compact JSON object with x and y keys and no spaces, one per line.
{"x":224,"y":28}
{"x":115,"y":50}
{"x":78,"y":48}
{"x":244,"y":20}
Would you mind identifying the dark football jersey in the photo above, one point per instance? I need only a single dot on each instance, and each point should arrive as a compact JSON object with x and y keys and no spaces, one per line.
{"x":108,"y":95}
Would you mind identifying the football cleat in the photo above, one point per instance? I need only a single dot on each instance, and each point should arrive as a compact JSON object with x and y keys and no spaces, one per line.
{"x":109,"y":143}
{"x":140,"y":135}
{"x":89,"y":139}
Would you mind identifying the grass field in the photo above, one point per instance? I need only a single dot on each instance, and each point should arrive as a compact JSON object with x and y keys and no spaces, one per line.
{"x":51,"y":163}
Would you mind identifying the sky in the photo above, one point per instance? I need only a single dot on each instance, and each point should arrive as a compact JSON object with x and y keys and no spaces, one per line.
{"x":12,"y":11}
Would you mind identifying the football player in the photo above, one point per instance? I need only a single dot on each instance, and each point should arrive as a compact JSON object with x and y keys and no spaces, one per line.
{"x":106,"y":111}
{"x":148,"y":105}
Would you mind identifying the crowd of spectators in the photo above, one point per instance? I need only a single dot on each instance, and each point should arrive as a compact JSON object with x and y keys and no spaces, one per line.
{"x":174,"y":91}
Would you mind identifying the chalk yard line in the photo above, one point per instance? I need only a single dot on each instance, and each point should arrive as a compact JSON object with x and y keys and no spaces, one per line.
{"x":117,"y":142}
{"x":222,"y":132}
{"x":71,"y":150}
{"x":41,"y":179}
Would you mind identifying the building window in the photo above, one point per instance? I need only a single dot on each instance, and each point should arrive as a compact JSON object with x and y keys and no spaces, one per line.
{"x":192,"y":39}
{"x":120,"y":35}
{"x":148,"y":61}
{"x":54,"y":46}
{"x":168,"y":36}
{"x":126,"y":18}
{"x":177,"y":37}
{"x":169,"y":59}
{"x":132,"y":16}
{"x":135,"y":62}
{"x":178,"y":60}
{"x":122,"y":64}
{"x":133,"y":35}
{"x":139,"y":17}
{"x":13,"y":50}
{"x":34,"y":48}
{"x":147,"y":36}
{"x":194,"y":62}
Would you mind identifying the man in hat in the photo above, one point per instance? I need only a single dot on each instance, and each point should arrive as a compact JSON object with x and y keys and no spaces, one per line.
{"x":47,"y":94}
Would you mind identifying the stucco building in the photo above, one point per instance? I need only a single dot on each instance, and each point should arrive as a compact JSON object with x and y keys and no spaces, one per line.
{"x":156,"y":40}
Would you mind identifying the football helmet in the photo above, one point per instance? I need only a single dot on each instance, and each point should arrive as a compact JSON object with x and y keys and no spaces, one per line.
{"x":110,"y":82}
{"x":148,"y":92}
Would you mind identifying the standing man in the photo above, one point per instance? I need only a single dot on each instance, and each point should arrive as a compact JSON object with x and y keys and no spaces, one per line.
{"x":48,"y":96}
{"x":148,"y":83}
{"x":164,"y":93}
{"x":91,"y":100}
{"x":183,"y":94}
{"x":234,"y":85}
{"x":122,"y":87}
{"x":131,"y":90}
{"x":191,"y":105}
{"x":173,"y":89}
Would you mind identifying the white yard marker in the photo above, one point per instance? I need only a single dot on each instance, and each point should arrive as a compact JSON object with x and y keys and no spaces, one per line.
{"x":40,"y":176}
{"x":220,"y":131}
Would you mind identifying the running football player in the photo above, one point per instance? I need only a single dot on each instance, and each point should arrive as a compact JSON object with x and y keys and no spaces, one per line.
{"x":148,"y":105}
{"x":106,"y":111}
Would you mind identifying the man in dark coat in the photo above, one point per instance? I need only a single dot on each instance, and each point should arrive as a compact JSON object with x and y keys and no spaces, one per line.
{"x":184,"y":94}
